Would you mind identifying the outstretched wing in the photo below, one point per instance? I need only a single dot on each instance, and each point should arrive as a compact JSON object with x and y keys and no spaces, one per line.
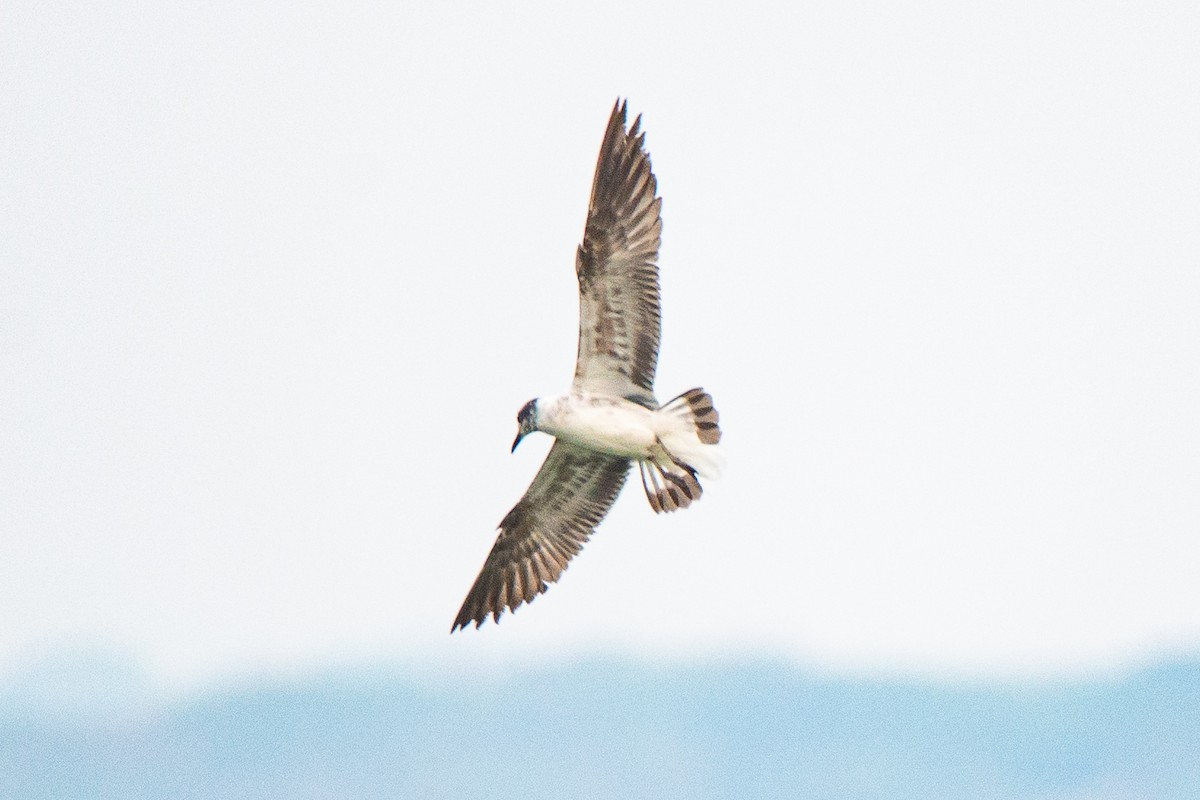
{"x":569,"y":496}
{"x":619,"y":316}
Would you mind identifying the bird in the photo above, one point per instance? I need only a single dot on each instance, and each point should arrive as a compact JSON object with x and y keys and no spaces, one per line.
{"x":610,"y":418}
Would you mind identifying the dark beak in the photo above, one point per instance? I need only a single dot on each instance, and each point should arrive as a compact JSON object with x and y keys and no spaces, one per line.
{"x":517,"y":441}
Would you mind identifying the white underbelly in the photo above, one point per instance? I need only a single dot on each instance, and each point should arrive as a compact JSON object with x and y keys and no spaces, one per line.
{"x":619,"y":428}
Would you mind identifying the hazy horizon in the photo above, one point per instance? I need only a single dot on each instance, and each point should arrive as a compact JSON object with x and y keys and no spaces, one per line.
{"x":617,"y":728}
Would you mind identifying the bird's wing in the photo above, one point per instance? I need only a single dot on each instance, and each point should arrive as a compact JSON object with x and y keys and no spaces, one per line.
{"x":569,"y":496}
{"x":617,"y":270}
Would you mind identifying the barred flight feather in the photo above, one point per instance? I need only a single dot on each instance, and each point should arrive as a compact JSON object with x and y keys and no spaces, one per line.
{"x":619,"y":330}
{"x":572,"y":492}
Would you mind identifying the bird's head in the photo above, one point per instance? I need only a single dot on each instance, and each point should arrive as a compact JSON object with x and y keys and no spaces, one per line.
{"x":526,"y":422}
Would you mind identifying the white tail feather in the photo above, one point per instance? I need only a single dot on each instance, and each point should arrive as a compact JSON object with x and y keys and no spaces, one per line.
{"x":694,"y":436}
{"x":706,"y":459}
{"x":688,"y":433}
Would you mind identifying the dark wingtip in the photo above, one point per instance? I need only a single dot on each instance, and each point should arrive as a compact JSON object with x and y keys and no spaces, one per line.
{"x":619,"y":112}
{"x":464,"y":621}
{"x":465,"y":617}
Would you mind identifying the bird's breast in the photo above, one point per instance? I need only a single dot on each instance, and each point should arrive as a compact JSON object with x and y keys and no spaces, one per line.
{"x":608,"y":425}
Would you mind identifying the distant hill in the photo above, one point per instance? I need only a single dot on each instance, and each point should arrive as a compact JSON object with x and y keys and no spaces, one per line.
{"x":622,"y":730}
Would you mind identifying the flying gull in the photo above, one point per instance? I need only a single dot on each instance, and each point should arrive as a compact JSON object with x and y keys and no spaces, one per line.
{"x":610,"y":417}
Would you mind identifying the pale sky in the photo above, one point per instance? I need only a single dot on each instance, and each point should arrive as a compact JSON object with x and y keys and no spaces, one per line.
{"x":274,"y":283}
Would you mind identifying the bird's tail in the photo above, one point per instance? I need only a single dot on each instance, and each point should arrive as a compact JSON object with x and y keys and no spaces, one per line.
{"x":687,"y":439}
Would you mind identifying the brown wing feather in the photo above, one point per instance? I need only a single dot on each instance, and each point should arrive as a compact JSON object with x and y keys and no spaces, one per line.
{"x":571,"y":493}
{"x":619,"y":319}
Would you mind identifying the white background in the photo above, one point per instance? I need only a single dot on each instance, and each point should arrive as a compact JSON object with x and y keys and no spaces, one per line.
{"x":274,"y":283}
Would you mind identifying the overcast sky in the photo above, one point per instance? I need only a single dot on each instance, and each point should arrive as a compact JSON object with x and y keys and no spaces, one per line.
{"x":275,"y":281}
